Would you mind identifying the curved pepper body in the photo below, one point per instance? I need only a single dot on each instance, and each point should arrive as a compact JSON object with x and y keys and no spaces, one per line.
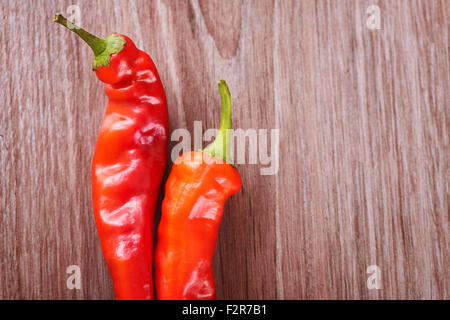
{"x":127,"y":168}
{"x":195,"y":194}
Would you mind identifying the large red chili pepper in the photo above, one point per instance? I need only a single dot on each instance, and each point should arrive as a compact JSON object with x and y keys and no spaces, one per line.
{"x":129,"y":159}
{"x":196,"y":191}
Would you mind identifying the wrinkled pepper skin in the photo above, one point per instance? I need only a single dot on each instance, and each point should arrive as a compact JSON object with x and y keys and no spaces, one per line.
{"x":195,"y":194}
{"x":129,"y":159}
{"x":127,"y":168}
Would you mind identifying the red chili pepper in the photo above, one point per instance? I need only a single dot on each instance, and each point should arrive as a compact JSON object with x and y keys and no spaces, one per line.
{"x":129,"y":159}
{"x":196,"y":191}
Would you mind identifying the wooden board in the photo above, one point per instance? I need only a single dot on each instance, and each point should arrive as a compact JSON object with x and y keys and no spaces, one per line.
{"x":363,"y":154}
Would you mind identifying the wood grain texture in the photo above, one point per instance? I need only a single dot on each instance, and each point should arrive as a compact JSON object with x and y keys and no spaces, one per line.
{"x":364,"y":141}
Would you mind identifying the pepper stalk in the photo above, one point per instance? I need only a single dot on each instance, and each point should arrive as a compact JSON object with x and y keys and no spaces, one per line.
{"x":102,"y":48}
{"x":219,"y":148}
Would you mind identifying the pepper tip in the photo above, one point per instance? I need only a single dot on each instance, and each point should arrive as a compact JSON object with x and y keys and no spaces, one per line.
{"x":223,"y":86}
{"x":56,"y":17}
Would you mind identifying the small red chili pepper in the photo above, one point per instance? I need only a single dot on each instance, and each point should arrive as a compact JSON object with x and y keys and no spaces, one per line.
{"x":129,"y":159}
{"x":195,"y":194}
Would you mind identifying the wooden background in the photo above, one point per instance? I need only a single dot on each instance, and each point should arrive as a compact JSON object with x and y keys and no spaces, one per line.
{"x":364,"y":141}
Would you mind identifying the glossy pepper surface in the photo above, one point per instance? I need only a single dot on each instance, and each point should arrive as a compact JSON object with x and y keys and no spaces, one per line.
{"x":198,"y":186}
{"x":129,"y":160}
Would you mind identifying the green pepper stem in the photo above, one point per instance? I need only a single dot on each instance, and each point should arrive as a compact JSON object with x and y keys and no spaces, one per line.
{"x":97,"y":45}
{"x":219,"y":148}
